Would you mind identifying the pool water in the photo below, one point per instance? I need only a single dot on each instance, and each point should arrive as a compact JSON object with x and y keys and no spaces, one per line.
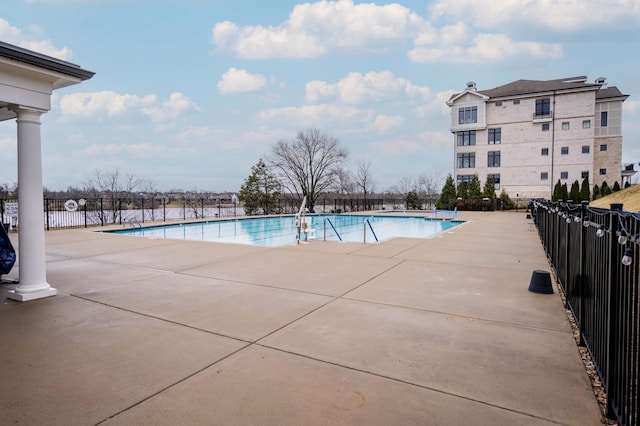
{"x":281,"y":230}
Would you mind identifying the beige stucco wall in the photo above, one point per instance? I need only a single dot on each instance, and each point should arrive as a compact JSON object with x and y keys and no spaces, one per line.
{"x":523,"y":139}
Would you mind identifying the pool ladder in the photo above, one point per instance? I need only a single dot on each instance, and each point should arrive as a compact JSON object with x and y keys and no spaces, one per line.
{"x":134,"y":222}
{"x":326,"y":219}
{"x":366,"y":222}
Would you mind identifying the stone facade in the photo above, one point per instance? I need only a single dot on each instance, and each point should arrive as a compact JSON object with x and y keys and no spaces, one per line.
{"x":529,"y":134}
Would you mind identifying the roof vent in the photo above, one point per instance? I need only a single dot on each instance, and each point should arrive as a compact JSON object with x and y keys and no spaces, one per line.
{"x":602,"y":81}
{"x":471,"y":85}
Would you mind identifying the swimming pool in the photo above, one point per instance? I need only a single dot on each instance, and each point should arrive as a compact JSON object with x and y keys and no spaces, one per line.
{"x":281,"y":230}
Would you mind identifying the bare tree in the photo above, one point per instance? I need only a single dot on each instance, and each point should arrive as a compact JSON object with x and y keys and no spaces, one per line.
{"x":364,"y":179}
{"x":428,"y":187}
{"x":404,"y":186}
{"x":343,"y":183}
{"x":308,"y":165}
{"x":113,"y":187}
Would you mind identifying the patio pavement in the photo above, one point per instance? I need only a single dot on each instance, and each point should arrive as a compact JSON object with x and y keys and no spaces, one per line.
{"x":438,"y":331}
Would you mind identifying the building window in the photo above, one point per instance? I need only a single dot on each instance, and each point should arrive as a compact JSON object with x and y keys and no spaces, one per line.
{"x":493,"y":159}
{"x":565,"y":125}
{"x":495,"y":136}
{"x":544,"y":151}
{"x":585,"y":175}
{"x":516,"y":101}
{"x":603,"y":171}
{"x":544,"y":176}
{"x":466,"y":160}
{"x":496,"y":180}
{"x":586,"y":124}
{"x":603,"y":147}
{"x":543,"y":107}
{"x":499,"y":103}
{"x":467,"y":115}
{"x":545,"y":127}
{"x":466,"y":138}
{"x":564,"y":175}
{"x":564,"y":150}
{"x":585,"y":149}
{"x":604,"y":118}
{"x":464,"y":178}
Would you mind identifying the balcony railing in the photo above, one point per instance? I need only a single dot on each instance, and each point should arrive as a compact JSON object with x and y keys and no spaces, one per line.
{"x":538,"y":118}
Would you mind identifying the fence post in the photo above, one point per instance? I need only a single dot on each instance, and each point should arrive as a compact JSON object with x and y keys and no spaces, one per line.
{"x":612,"y":297}
{"x":46,"y":210}
{"x":84,"y":208}
{"x":584,"y":215}
{"x":142,"y":205}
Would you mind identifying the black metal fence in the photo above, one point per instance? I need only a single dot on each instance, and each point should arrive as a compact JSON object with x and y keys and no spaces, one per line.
{"x":83,"y":213}
{"x":596,"y":257}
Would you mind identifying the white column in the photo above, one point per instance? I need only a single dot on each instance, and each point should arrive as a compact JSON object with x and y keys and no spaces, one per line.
{"x":31,"y":257}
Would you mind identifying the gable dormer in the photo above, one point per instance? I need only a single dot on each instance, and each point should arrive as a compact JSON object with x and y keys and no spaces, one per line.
{"x":468,"y":109}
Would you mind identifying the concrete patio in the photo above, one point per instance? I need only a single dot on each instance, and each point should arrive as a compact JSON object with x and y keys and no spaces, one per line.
{"x":438,"y":331}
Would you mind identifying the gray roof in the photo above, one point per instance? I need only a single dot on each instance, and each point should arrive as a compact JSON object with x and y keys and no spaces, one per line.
{"x":43,"y":61}
{"x":610,"y":92}
{"x":531,"y":87}
{"x":526,"y":87}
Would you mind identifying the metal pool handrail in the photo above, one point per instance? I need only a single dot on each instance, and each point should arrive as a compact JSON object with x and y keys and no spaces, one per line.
{"x":366,"y":221}
{"x":134,"y":222}
{"x":326,"y":219}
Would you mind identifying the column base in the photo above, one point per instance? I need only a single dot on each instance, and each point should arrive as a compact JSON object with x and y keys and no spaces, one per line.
{"x":24,"y":297}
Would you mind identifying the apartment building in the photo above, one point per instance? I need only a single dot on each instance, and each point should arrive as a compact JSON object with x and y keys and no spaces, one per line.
{"x":529,"y":134}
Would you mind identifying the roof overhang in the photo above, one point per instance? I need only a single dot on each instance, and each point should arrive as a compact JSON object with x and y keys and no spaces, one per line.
{"x":28,"y":78}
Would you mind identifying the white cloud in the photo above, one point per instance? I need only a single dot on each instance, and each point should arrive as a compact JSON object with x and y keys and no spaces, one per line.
{"x":358,"y":88}
{"x":240,"y":81}
{"x":318,"y":90}
{"x":484,"y":48}
{"x":557,"y":15}
{"x":441,"y":140}
{"x":323,"y":27}
{"x":87,"y":104}
{"x":386,"y":123}
{"x":436,"y":107}
{"x":323,"y":115}
{"x":136,"y":150}
{"x":177,"y":105}
{"x":13,"y":35}
{"x":314,"y":29}
{"x":231,"y":141}
{"x":90,"y":104}
{"x":432,"y":142}
{"x":399,"y":146}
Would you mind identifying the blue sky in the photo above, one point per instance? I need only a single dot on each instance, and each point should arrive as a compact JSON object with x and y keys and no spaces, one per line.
{"x":190,"y":94}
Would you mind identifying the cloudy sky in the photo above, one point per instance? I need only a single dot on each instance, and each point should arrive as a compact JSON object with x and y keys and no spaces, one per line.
{"x":191,"y":93}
